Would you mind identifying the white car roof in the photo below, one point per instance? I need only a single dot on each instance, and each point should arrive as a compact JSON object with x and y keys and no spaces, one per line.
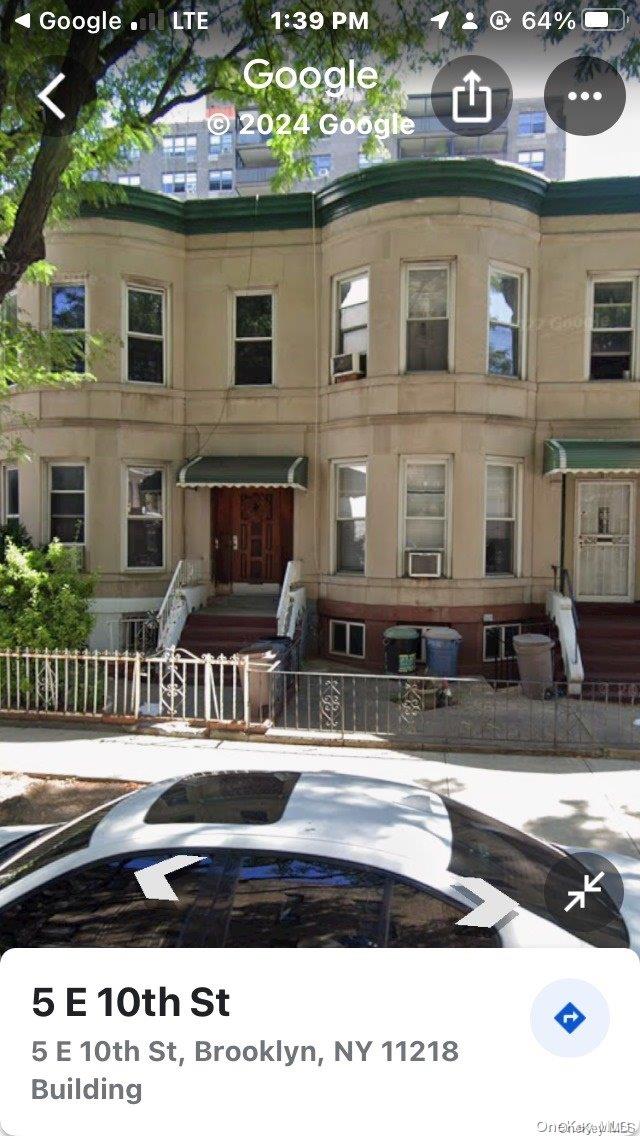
{"x":334,"y":814}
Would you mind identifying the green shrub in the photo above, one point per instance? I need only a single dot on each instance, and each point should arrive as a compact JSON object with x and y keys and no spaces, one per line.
{"x":16,"y":532}
{"x":44,"y":599}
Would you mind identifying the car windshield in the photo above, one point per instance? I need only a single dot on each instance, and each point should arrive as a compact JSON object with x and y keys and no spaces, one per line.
{"x":59,"y":842}
{"x":519,"y":865}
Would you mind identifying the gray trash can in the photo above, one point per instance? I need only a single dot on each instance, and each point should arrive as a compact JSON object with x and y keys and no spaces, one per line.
{"x":443,"y":647}
{"x":535,"y":664}
{"x":401,"y":650}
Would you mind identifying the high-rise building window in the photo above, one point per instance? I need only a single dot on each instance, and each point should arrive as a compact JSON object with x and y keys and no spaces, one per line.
{"x":253,"y":339}
{"x":351,"y":516}
{"x":129,"y":179}
{"x":427,"y":303}
{"x":532,"y":122}
{"x":145,"y":334}
{"x":532,"y":159}
{"x":321,"y":164}
{"x":145,"y":517}
{"x":180,"y":146}
{"x":180,"y":182}
{"x":220,"y":179}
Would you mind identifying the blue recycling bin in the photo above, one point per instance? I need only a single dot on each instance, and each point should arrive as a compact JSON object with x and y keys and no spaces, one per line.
{"x":443,"y":647}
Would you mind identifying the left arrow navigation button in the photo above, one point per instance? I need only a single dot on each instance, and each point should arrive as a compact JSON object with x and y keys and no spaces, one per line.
{"x":43,"y":96}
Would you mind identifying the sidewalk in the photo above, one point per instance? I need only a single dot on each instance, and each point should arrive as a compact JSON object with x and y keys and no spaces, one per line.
{"x":587,"y":802}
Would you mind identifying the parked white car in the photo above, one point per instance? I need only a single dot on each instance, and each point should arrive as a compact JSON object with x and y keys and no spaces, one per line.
{"x":288,"y":860}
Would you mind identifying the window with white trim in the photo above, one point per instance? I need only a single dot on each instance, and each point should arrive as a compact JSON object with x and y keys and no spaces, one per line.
{"x":220,"y":144}
{"x":253,"y":339}
{"x":351,"y":516}
{"x":346,"y":638}
{"x":498,"y":641}
{"x":532,"y":159}
{"x":67,"y":503}
{"x":425,"y":509}
{"x":180,"y":146}
{"x":11,"y":495}
{"x":505,"y":352}
{"x":501,"y":519}
{"x":427,"y":303}
{"x":145,"y":517}
{"x":68,"y":317}
{"x":532,"y":122}
{"x":220,"y":179}
{"x":180,"y":182}
{"x":352,"y":314}
{"x":129,"y":179}
{"x":146,"y":318}
{"x":613,"y":320}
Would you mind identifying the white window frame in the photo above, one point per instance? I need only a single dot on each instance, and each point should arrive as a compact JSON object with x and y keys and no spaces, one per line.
{"x":335,"y":467}
{"x":129,"y":179}
{"x":632,"y":278}
{"x":71,"y":282}
{"x":501,"y":627}
{"x":255,"y":339}
{"x":6,"y":515}
{"x":517,"y":465}
{"x":348,"y":623}
{"x":219,"y":172}
{"x":68,"y":463}
{"x":131,"y":285}
{"x":524,"y":154}
{"x":522,"y":275}
{"x":425,"y":459}
{"x":412,"y":266}
{"x":344,"y":278}
{"x":143,"y":463}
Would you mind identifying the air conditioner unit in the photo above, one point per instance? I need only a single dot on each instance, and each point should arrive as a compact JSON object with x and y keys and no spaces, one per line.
{"x":351,"y":366}
{"x":425,"y":564}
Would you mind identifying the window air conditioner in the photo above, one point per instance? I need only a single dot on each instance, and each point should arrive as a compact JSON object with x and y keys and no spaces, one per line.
{"x":351,"y":366}
{"x":425,"y":564}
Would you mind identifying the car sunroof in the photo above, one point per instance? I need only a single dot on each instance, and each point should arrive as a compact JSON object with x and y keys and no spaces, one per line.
{"x":224,"y":798}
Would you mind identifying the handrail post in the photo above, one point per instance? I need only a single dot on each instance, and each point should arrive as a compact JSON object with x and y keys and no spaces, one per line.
{"x":245,"y":690}
{"x":137,"y":675}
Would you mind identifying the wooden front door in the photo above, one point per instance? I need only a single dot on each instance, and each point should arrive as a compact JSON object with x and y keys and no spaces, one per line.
{"x":252,"y":533}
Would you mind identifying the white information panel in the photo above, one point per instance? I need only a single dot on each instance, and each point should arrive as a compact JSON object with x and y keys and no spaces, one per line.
{"x":284,"y":1042}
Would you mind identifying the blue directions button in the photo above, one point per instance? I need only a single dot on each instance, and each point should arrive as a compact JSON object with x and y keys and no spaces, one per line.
{"x":570,"y":1017}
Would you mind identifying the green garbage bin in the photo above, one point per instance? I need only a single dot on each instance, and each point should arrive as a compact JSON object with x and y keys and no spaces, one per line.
{"x":401,"y":650}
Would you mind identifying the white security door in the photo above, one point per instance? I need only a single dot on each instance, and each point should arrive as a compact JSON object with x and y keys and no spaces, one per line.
{"x":605,"y":540}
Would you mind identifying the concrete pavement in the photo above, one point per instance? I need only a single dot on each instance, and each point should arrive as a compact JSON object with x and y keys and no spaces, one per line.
{"x":581,"y":801}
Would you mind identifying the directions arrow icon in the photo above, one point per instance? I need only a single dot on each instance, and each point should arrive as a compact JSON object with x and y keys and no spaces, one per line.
{"x":46,"y":101}
{"x":493,"y":907}
{"x":153,"y":880}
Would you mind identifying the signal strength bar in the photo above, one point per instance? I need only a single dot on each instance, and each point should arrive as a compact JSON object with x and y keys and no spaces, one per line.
{"x":156,"y":21}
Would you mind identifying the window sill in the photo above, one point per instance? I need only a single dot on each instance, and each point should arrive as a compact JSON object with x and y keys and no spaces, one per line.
{"x":238,"y":388}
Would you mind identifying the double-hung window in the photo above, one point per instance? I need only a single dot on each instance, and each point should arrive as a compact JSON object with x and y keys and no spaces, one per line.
{"x":67,"y":509}
{"x":145,"y":517}
{"x":532,"y":159}
{"x":613,"y":317}
{"x":352,"y":314}
{"x":68,"y":318}
{"x":505,"y":355}
{"x":11,"y":495}
{"x":351,"y":516}
{"x":532,"y":122}
{"x":501,"y":519}
{"x":427,"y":306}
{"x":146,"y":319}
{"x":220,"y":179}
{"x":129,"y":179}
{"x":425,"y":509}
{"x":253,"y":339}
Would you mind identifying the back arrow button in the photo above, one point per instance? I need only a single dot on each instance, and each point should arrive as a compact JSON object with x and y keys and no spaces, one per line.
{"x":43,"y":96}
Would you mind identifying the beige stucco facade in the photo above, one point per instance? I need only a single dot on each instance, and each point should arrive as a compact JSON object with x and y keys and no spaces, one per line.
{"x":464,"y":416}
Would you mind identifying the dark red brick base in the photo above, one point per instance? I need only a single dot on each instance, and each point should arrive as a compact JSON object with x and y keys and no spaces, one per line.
{"x":467,"y":620}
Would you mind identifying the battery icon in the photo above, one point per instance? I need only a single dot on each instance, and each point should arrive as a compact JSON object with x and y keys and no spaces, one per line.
{"x":603,"y":19}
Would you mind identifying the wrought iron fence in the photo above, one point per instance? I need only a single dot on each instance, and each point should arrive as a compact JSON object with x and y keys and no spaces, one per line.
{"x":245,"y":693}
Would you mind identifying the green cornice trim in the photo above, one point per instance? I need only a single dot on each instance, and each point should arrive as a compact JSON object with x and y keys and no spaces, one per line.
{"x":390,"y":181}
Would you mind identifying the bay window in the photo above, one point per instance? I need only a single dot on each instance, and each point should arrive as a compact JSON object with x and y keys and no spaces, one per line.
{"x":145,"y":517}
{"x":612,"y":329}
{"x":145,"y":335}
{"x":501,"y":519}
{"x":351,"y":516}
{"x":425,"y":508}
{"x":505,"y":323}
{"x":68,"y":318}
{"x":427,"y":305}
{"x":67,"y":503}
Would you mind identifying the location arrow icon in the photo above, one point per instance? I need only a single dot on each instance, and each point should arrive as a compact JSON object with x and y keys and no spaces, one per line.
{"x":493,"y":907}
{"x":43,"y":96}
{"x":153,"y":880}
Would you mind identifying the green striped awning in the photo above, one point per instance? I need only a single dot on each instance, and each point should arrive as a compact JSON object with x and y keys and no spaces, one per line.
{"x":245,"y":472}
{"x":591,"y":455}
